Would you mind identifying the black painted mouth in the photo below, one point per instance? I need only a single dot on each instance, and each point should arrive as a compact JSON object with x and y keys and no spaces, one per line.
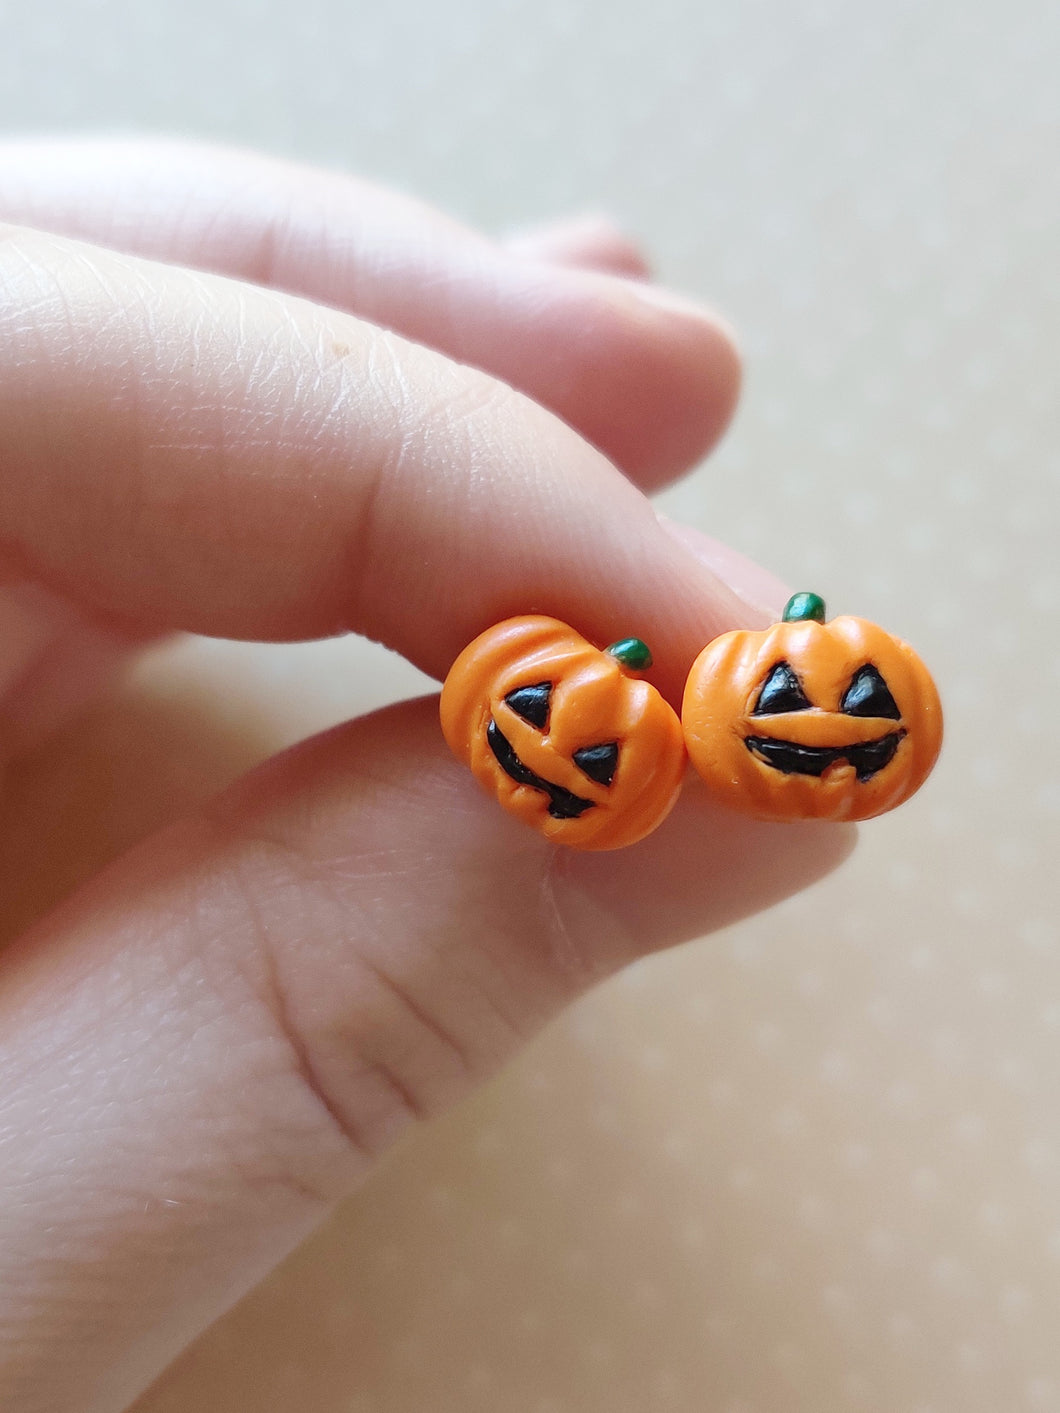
{"x":562,"y":804}
{"x":867,"y":758}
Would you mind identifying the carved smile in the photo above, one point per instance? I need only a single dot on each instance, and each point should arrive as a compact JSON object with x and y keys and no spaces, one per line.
{"x":867,"y":758}
{"x":562,"y":804}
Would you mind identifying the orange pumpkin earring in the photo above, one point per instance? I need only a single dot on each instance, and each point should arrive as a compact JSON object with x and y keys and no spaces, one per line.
{"x":564,"y":734}
{"x":812,"y":719}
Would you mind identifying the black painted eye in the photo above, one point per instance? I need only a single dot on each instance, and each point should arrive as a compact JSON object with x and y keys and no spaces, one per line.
{"x":781,"y":691}
{"x":869,"y":695}
{"x":532,"y":703}
{"x":599,"y":763}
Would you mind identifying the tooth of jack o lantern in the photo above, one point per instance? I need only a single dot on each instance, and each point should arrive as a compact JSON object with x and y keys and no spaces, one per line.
{"x":811,"y":719}
{"x":565,"y":735}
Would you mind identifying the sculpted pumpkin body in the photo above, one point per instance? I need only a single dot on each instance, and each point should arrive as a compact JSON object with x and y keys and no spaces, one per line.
{"x":562,"y":734}
{"x":812,"y":720}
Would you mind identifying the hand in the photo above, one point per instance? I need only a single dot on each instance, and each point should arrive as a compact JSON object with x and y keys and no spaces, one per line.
{"x":390,"y":427}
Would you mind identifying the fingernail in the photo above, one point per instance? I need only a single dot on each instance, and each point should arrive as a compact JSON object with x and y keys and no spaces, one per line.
{"x":763,"y":593}
{"x":602,"y":258}
{"x":590,"y":241}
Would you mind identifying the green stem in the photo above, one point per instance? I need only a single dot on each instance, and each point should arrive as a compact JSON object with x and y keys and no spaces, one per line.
{"x":804,"y":607}
{"x":631,"y":654}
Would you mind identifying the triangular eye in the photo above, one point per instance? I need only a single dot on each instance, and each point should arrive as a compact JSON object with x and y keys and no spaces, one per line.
{"x":781,"y":691}
{"x":599,"y":763}
{"x":869,"y":695}
{"x":532,"y":703}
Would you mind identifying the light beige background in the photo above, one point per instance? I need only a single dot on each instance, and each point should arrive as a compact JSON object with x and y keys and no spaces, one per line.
{"x":812,"y":1165}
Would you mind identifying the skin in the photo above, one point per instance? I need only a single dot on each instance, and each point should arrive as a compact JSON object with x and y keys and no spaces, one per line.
{"x":247,"y":400}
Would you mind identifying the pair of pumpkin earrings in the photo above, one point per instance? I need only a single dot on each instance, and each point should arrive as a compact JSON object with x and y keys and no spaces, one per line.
{"x":806,"y":720}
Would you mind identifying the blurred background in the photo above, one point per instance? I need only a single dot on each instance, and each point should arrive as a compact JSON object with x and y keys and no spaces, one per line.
{"x":811,"y":1165}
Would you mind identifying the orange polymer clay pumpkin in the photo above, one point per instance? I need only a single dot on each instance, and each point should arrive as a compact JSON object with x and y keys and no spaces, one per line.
{"x":812,"y":719}
{"x":565,"y":735}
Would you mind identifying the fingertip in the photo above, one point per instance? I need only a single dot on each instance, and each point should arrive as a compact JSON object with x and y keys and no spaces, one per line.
{"x":758,"y":588}
{"x":665,"y":379}
{"x":706,"y":867}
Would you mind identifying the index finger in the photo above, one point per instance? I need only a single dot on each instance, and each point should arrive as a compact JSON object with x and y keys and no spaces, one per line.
{"x":182,"y":451}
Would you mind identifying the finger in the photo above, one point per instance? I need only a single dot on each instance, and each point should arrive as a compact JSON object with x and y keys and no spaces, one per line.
{"x":207,"y":1047}
{"x":649,"y":379}
{"x":584,"y":242}
{"x":181,"y":451}
{"x":53,"y":660}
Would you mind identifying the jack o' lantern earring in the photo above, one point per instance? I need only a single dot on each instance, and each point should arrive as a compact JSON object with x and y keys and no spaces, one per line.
{"x":812,"y":719}
{"x":565,"y":735}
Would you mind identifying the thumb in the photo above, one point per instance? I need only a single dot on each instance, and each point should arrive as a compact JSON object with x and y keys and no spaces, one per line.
{"x":213,"y":1042}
